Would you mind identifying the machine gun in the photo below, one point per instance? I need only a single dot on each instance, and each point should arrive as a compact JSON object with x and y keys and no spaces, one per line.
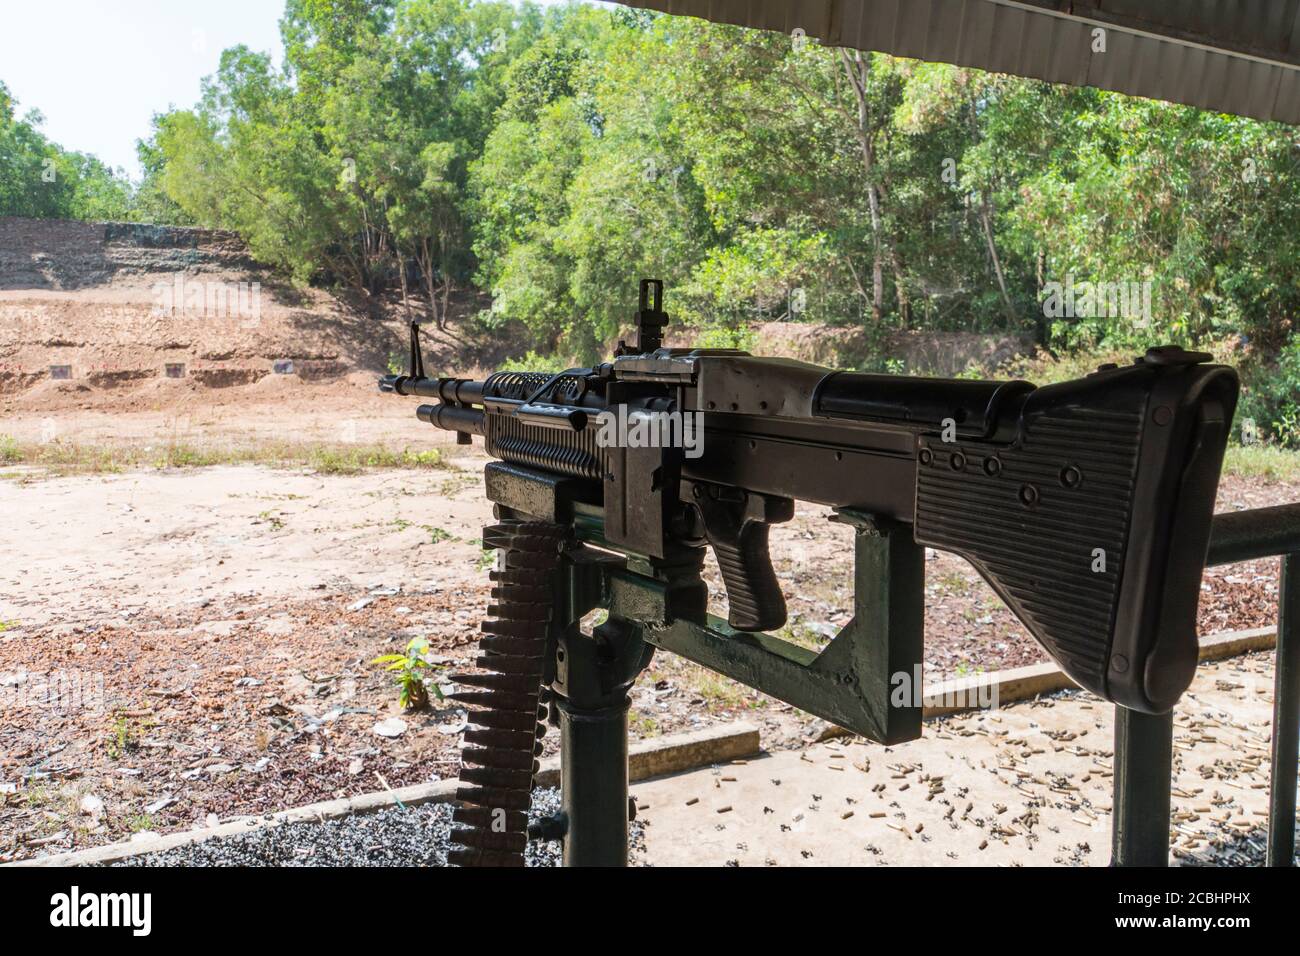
{"x":1086,"y":505}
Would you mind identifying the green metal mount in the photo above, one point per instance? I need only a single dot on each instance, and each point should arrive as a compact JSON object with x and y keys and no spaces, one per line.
{"x":866,"y":680}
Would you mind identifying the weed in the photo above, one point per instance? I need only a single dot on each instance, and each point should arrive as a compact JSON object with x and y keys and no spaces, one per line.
{"x":411,"y":669}
{"x":270,"y":518}
{"x":121,"y":739}
{"x":643,"y":724}
{"x":954,"y":581}
{"x":139,"y":823}
{"x":438,"y":535}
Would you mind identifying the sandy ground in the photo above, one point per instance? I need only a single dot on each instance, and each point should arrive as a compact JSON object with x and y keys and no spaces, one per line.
{"x":284,"y":409}
{"x":114,"y":545}
{"x":1027,"y":785}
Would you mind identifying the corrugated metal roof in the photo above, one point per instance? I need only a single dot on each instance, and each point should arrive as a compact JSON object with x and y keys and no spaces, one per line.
{"x":1234,"y":56}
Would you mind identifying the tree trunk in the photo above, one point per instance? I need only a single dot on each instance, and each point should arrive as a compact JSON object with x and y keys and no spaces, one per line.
{"x":406,"y":299}
{"x":446,"y":280}
{"x":904,"y":303}
{"x":446,"y":302}
{"x":858,"y":68}
{"x":424,"y":259}
{"x":986,"y":218}
{"x":877,"y":265}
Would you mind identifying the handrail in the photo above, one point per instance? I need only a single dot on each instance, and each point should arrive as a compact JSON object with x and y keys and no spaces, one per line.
{"x":1253,"y":534}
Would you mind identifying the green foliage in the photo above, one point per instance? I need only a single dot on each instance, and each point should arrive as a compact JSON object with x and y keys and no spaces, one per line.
{"x":411,"y":669}
{"x":723,"y":337}
{"x":42,"y":180}
{"x":754,"y":173}
{"x":349,"y":165}
{"x":1271,"y":397}
{"x":552,"y":362}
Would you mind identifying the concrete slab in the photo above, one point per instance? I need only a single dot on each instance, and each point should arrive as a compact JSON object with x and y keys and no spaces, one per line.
{"x":1029,"y":784}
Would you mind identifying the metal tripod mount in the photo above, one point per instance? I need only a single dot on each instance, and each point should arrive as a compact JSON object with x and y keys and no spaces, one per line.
{"x":662,"y":603}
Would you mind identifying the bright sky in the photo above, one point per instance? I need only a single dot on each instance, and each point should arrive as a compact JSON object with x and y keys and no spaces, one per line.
{"x":99,"y":69}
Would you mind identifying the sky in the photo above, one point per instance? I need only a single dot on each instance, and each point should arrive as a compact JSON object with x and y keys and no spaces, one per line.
{"x":98,"y":70}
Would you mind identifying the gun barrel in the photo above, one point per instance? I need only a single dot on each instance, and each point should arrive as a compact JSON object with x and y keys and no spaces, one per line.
{"x":461,"y":390}
{"x":453,"y":418}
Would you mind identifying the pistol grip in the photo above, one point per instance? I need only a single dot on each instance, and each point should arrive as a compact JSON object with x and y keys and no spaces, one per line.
{"x":736,"y":525}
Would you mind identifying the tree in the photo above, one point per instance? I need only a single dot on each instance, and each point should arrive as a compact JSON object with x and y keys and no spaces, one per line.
{"x":41,"y":180}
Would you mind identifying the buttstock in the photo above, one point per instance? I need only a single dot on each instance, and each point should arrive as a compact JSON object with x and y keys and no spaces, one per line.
{"x":1093,"y":519}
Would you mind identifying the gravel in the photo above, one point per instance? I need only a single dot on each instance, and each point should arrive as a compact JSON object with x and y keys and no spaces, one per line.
{"x":414,"y":836}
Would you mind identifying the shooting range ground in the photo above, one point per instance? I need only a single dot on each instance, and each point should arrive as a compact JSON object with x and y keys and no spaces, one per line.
{"x":1027,"y":784}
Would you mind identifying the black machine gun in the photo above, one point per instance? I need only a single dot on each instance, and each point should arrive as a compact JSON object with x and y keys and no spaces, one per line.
{"x":1086,"y":505}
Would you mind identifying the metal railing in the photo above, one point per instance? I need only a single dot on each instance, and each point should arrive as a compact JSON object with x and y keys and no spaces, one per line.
{"x":1144,"y":742}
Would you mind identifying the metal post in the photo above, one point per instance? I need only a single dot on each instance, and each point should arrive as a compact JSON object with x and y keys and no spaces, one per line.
{"x":1286,"y":718}
{"x":1144,"y":747}
{"x":593,"y":676}
{"x":594,"y":784}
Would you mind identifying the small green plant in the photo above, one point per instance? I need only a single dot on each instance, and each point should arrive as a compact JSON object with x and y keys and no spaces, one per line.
{"x":1287,"y":426}
{"x":437,"y":535}
{"x":643,"y":724}
{"x":395,"y":364}
{"x":954,"y":581}
{"x":715,"y":691}
{"x":453,"y":486}
{"x":411,"y":669}
{"x":5,"y":625}
{"x":139,"y":823}
{"x":10,"y":453}
{"x":423,"y":459}
{"x":803,"y":636}
{"x":121,"y":738}
{"x":487,"y":560}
